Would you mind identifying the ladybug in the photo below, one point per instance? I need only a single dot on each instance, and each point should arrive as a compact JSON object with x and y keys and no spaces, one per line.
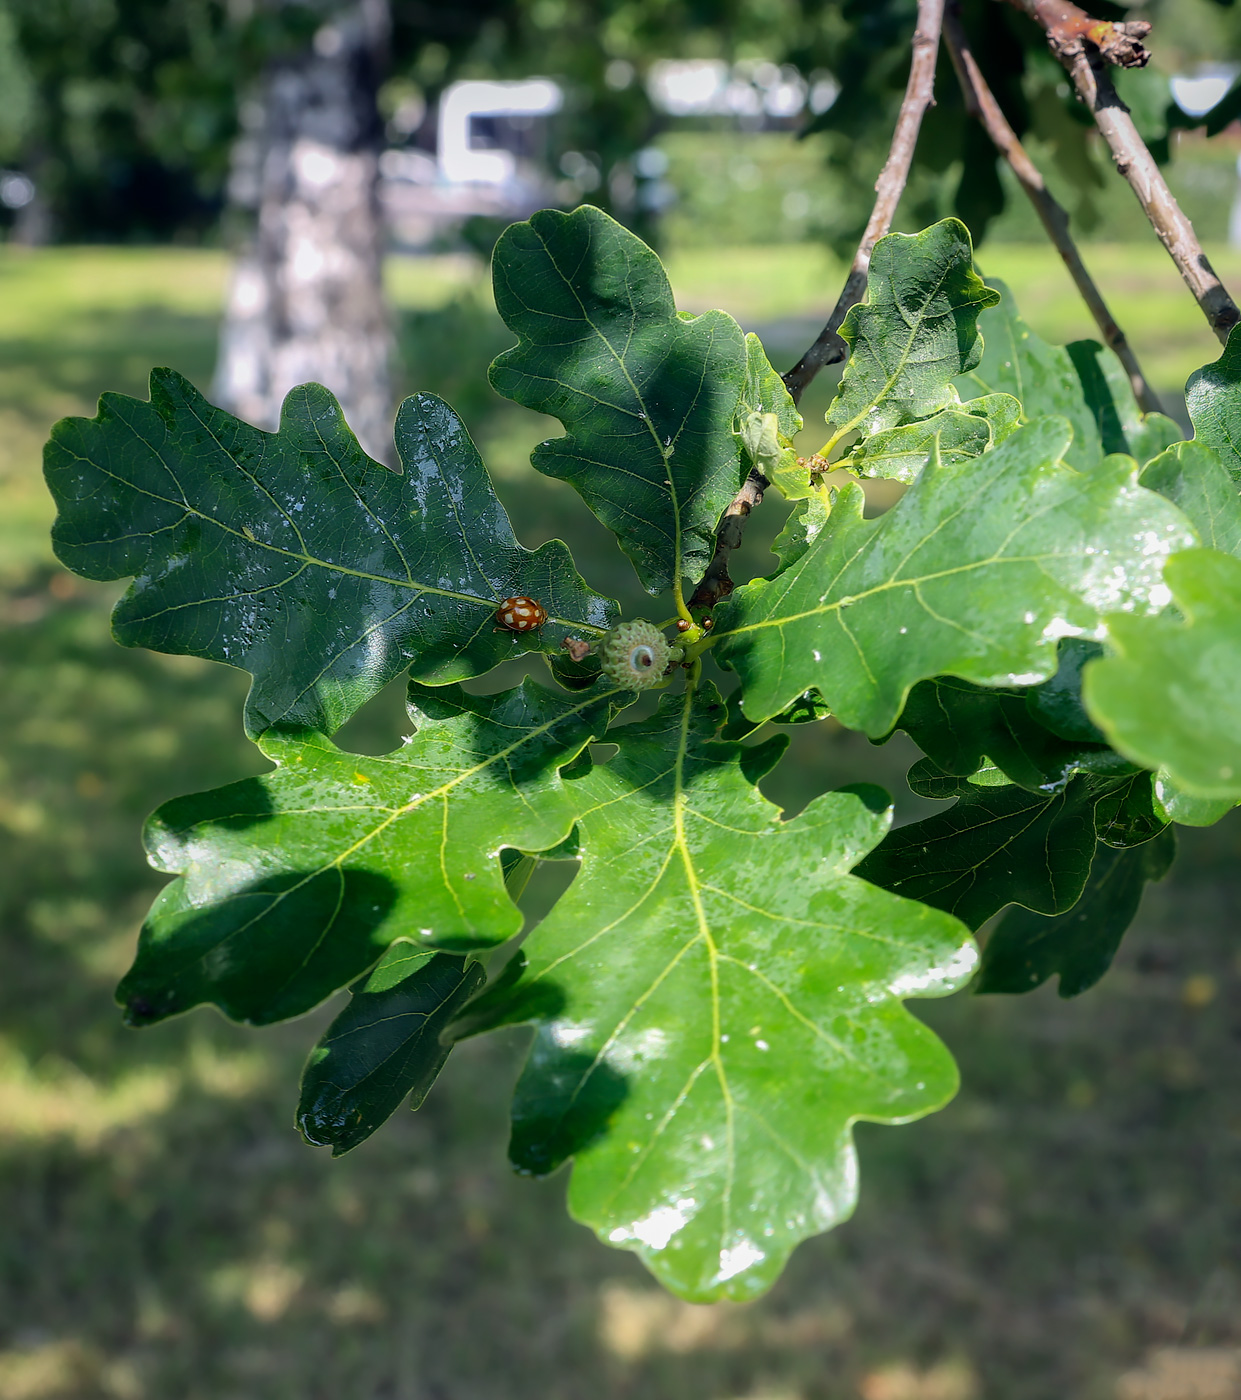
{"x":520,"y":615}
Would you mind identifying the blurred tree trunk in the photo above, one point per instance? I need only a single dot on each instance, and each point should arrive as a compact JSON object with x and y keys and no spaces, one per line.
{"x":307,"y":301}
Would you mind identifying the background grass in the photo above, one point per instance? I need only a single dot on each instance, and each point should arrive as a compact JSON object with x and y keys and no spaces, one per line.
{"x":1068,"y":1227}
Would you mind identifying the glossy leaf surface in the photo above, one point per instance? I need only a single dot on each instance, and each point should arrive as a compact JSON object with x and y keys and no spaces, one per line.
{"x":1026,"y":949}
{"x":1170,"y":695}
{"x":1194,"y":476}
{"x":958,"y":433}
{"x":384,"y":1046}
{"x":294,"y":883}
{"x":915,"y":332}
{"x":294,"y":556}
{"x":1040,"y":376}
{"x":976,"y":572}
{"x":717,"y":1000}
{"x":647,"y":397}
{"x":1213,"y":397}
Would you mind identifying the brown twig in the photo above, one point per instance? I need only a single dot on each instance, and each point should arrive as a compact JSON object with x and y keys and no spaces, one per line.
{"x":1068,"y":27}
{"x":716,"y":583}
{"x":1085,"y":47}
{"x":829,"y":348}
{"x":980,"y":102}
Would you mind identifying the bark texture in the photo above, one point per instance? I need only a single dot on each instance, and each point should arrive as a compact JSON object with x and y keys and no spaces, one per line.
{"x":307,"y":300}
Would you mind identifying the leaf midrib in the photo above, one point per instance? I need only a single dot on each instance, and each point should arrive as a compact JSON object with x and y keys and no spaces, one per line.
{"x":305,"y":559}
{"x":664,"y":453}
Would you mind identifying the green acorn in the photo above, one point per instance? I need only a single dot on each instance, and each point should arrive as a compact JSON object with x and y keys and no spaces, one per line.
{"x":636,"y":655}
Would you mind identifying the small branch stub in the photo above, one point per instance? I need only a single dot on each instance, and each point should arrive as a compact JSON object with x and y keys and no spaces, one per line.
{"x":716,"y":583}
{"x":1069,"y":29}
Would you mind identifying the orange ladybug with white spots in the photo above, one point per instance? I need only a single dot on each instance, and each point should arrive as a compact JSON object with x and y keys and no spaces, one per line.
{"x":520,"y":615}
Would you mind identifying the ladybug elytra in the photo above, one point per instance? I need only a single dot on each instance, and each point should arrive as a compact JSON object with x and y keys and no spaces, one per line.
{"x":520,"y":615}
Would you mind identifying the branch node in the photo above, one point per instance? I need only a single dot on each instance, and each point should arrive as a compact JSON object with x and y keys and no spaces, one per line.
{"x":1070,"y":30}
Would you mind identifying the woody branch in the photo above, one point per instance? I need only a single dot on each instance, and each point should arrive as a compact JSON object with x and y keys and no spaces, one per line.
{"x":1086,"y":46}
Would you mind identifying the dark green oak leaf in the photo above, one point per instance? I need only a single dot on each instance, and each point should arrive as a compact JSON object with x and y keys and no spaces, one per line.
{"x":995,"y":845}
{"x":806,"y":709}
{"x":294,"y":556}
{"x":1040,"y":376}
{"x":294,"y":883}
{"x":1169,"y":695}
{"x":1025,"y":948}
{"x":1126,"y":812}
{"x":1002,"y":844}
{"x":646,"y":396}
{"x":1123,"y":427}
{"x":976,"y":572}
{"x":1057,"y":704}
{"x":1195,"y":477}
{"x":960,"y":727}
{"x":915,"y":332}
{"x":384,"y":1046}
{"x":1213,"y":398}
{"x":717,"y":1001}
{"x":959,"y":433}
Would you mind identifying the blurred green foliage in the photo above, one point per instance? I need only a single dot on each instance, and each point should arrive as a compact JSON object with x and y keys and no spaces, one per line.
{"x":125,"y":113}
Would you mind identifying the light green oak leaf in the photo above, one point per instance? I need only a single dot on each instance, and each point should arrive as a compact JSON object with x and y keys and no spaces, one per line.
{"x":916,"y":331}
{"x":959,"y":433}
{"x":767,"y":423}
{"x":294,"y":883}
{"x":1169,"y":695}
{"x":1213,"y":398}
{"x":976,"y":572}
{"x":1195,"y":477}
{"x":717,"y":1001}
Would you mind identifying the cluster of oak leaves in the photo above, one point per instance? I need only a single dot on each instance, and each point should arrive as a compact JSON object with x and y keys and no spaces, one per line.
{"x":1052,"y":611}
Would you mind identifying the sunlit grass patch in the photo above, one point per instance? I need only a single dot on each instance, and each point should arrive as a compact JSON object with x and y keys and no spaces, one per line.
{"x":54,"y":1099}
